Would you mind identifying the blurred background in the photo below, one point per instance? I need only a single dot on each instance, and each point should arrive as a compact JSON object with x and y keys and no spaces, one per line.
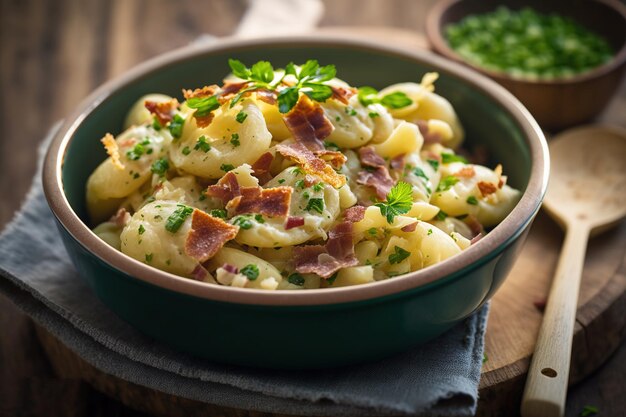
{"x":54,"y":53}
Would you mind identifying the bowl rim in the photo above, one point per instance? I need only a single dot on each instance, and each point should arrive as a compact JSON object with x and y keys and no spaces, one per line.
{"x":437,"y":40}
{"x":482,"y":251}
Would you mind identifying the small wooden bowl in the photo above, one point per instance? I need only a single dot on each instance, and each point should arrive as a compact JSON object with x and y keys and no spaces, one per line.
{"x":557,"y":103}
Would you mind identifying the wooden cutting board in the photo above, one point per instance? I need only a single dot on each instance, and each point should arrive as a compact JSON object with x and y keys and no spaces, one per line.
{"x":513,"y":321}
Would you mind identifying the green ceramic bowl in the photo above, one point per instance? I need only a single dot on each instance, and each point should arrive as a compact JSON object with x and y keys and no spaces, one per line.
{"x":297,"y":329}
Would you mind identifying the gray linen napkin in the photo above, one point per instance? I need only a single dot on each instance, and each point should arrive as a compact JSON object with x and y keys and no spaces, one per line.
{"x":438,"y":378}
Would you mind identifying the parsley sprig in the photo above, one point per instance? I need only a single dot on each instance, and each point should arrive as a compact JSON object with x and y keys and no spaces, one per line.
{"x":399,"y":201}
{"x":396,"y":100}
{"x":310,"y":79}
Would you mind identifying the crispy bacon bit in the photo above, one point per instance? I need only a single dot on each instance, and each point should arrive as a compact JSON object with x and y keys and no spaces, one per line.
{"x":465,"y":172}
{"x":342,"y":94}
{"x":261,"y":167}
{"x":502,"y":181}
{"x":354,"y":214}
{"x":379,"y":180}
{"x":397,"y":162}
{"x":231,"y":88}
{"x":207,"y":235}
{"x":268,"y":96}
{"x":326,"y":260}
{"x":164,"y":111}
{"x":409,"y":227}
{"x":231,"y":269}
{"x":203,"y":121}
{"x":206,"y":91}
{"x":294,"y":221}
{"x":370,"y":158}
{"x":272,"y":202}
{"x":335,"y":158}
{"x":311,"y":163}
{"x":112,"y":150}
{"x":120,"y":218}
{"x":487,"y":188}
{"x":308,"y":124}
{"x":310,"y":181}
{"x":429,"y":137}
{"x":199,"y":273}
{"x":226,"y":188}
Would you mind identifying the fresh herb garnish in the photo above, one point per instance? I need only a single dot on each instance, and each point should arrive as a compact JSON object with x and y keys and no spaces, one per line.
{"x":203,"y":105}
{"x":296,"y":279}
{"x":251,"y":271}
{"x":176,"y":126}
{"x":136,"y":152}
{"x":141,"y":229}
{"x":221,"y":213}
{"x":447,"y":158}
{"x":259,"y":218}
{"x":332,"y":278}
{"x":396,"y":100}
{"x":433,"y":163}
{"x":472,"y":200}
{"x":149,"y":257}
{"x":419,"y":172}
{"x":316,"y":204}
{"x":226,"y":167}
{"x":589,"y":410}
{"x":446,"y":183}
{"x":177,"y":218}
{"x":318,"y":187}
{"x":156,"y":125}
{"x":234,"y":140}
{"x":186,"y":151}
{"x":430,"y":232}
{"x":485,"y":358}
{"x":310,"y":79}
{"x":372,"y":231}
{"x":282,"y":180}
{"x":241,"y":116}
{"x":202,"y":144}
{"x":331,"y":146}
{"x":442,"y":215}
{"x":399,"y":255}
{"x":399,"y":201}
{"x":299,"y":184}
{"x":243,"y":222}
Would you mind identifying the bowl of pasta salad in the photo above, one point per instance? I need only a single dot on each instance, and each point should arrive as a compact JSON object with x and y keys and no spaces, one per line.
{"x":296,"y":203}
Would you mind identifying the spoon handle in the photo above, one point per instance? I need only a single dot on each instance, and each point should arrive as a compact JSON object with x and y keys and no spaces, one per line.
{"x":546,"y":383}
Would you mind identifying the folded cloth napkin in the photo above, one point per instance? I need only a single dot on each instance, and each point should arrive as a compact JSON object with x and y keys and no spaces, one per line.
{"x":438,"y":378}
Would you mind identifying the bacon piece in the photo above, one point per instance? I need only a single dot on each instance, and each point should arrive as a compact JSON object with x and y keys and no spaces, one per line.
{"x":379,"y":180}
{"x":207,"y":235}
{"x":342,"y":94}
{"x":397,"y":162}
{"x":268,"y":96}
{"x":326,"y":260}
{"x":261,"y":167}
{"x":354,"y":214}
{"x":203,"y":121}
{"x":231,"y":269}
{"x":308,"y":124}
{"x":465,"y":172}
{"x":206,"y":91}
{"x":310,"y":181}
{"x":120,"y":218}
{"x":226,"y":188}
{"x":232,"y":88}
{"x":272,"y":202}
{"x":335,"y":158}
{"x":311,"y":164}
{"x":164,"y":111}
{"x":112,"y":150}
{"x":429,"y":137}
{"x":487,"y":188}
{"x":294,"y":221}
{"x":409,"y":227}
{"x":199,"y":273}
{"x":370,"y":158}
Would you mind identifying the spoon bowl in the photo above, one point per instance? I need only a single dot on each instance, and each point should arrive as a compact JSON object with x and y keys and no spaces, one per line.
{"x":588,"y":182}
{"x":586,"y":194}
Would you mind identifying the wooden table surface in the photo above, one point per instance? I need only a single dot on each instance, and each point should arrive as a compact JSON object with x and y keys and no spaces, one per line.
{"x":52,"y":54}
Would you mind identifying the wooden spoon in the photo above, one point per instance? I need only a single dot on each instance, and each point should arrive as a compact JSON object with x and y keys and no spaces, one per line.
{"x":586,"y":195}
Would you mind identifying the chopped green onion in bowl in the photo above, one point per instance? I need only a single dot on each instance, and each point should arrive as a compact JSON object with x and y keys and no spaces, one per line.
{"x":528,"y":44}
